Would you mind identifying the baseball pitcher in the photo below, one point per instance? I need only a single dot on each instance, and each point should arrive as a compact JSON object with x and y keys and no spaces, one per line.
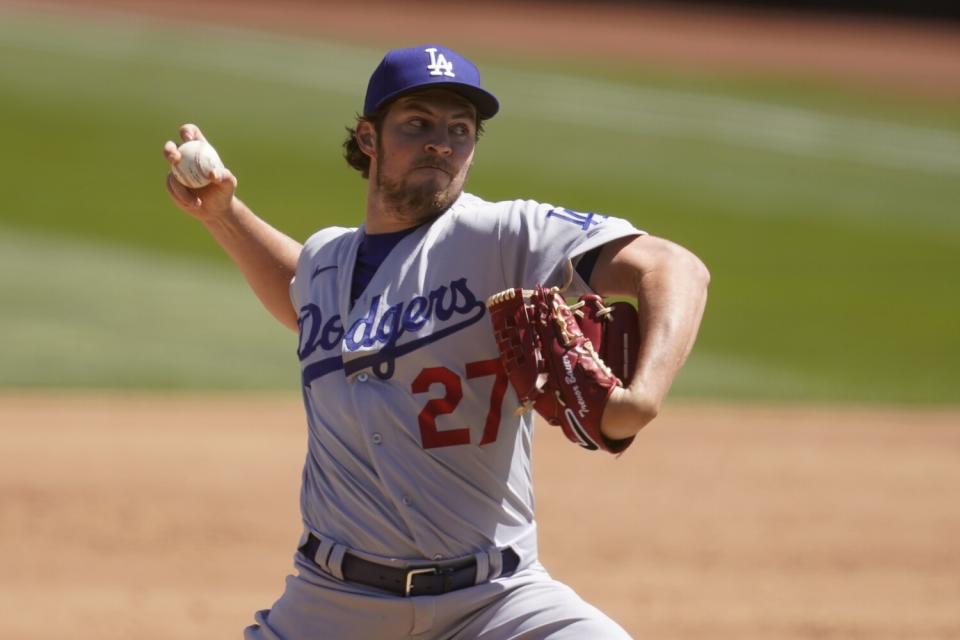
{"x":429,"y":338}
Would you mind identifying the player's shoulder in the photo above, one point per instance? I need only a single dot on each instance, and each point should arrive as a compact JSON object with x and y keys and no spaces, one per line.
{"x":326,"y":244}
{"x":526,"y":212}
{"x":330,"y":234}
{"x":528,"y":217}
{"x":328,"y":238}
{"x":469,"y":202}
{"x":474,"y":210}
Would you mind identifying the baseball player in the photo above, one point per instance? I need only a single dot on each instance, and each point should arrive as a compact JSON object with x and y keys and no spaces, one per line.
{"x":417,"y":503}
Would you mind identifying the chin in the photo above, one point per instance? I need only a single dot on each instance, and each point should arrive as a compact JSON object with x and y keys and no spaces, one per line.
{"x":422,"y":198}
{"x":435,"y":180}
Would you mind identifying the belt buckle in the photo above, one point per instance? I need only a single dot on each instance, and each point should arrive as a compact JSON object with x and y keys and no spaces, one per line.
{"x":408,"y":584}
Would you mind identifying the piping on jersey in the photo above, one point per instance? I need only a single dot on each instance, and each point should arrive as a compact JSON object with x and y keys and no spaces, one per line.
{"x":395,"y":321}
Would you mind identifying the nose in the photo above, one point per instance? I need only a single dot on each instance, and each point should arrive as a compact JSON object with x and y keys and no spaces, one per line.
{"x":439,"y":144}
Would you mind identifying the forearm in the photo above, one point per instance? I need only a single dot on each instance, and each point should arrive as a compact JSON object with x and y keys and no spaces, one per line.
{"x":670,"y":286}
{"x":266,"y":257}
{"x":670,"y":303}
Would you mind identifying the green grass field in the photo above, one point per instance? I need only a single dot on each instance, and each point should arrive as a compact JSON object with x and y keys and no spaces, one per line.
{"x":830,"y":218}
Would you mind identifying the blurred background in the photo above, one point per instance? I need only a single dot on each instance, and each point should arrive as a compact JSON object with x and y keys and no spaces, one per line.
{"x":808,"y":152}
{"x":811,"y":158}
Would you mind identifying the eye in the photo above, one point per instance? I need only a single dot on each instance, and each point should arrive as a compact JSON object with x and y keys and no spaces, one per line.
{"x":460,"y":130}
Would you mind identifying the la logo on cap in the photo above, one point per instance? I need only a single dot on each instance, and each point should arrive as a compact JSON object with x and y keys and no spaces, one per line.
{"x":439,"y":66}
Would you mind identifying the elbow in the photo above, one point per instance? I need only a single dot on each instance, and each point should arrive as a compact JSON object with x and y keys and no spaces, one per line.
{"x":286,"y":315}
{"x":689,"y":266}
{"x":701,"y":274}
{"x":693,"y":265}
{"x":695,"y":270}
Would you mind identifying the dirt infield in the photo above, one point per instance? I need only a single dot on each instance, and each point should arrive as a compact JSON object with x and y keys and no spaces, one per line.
{"x":151,"y":517}
{"x":148,"y":517}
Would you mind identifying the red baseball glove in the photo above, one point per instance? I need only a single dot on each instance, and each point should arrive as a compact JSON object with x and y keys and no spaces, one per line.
{"x":564,"y":361}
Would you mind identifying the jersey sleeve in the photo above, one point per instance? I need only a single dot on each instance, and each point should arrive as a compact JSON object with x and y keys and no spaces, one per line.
{"x":303,"y":275}
{"x":541,"y":243}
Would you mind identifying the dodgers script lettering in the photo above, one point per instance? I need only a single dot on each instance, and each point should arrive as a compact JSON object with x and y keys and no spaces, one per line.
{"x":381,"y":327}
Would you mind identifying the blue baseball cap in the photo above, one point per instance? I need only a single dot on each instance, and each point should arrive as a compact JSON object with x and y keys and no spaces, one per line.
{"x":403,"y":71}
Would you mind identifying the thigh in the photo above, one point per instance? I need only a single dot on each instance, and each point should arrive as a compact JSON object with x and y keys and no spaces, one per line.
{"x":310,"y":609}
{"x":536,"y":607}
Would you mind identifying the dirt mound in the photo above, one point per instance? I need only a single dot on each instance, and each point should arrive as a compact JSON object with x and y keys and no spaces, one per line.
{"x":152,"y":517}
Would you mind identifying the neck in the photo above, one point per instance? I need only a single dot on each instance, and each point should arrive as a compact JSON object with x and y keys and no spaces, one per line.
{"x":381,"y":218}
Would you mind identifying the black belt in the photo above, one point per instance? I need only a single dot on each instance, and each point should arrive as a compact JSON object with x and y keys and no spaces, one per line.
{"x":419,"y":580}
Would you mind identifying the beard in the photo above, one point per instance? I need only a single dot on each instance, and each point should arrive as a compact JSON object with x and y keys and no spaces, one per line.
{"x":415,"y":201}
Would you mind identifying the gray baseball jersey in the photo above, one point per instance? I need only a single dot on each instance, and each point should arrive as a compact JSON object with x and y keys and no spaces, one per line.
{"x":414,"y":448}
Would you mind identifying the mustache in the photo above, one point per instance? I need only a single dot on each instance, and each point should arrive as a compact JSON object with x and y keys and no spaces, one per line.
{"x":434,"y":164}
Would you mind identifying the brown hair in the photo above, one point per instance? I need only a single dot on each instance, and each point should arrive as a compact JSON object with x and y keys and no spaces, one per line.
{"x":355,"y":156}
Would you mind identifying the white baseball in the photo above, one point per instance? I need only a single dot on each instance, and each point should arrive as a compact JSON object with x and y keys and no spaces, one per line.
{"x":197,"y":160}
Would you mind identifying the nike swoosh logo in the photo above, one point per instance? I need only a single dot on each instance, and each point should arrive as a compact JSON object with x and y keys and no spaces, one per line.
{"x":320,"y":270}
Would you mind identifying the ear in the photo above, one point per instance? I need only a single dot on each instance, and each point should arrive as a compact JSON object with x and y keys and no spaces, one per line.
{"x":366,"y":137}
